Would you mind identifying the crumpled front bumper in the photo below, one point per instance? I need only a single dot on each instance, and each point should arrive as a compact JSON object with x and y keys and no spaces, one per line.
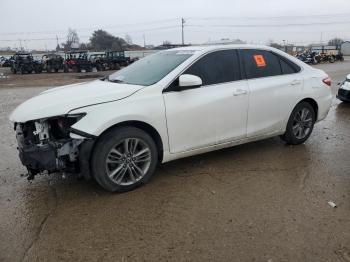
{"x":39,"y":157}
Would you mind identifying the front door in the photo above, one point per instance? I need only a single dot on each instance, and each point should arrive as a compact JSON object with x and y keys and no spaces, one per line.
{"x":214,"y":113}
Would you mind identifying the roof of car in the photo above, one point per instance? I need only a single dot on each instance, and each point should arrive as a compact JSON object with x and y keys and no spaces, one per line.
{"x":217,"y":47}
{"x":207,"y":48}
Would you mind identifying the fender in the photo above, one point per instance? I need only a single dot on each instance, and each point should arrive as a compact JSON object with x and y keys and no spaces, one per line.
{"x":148,"y":109}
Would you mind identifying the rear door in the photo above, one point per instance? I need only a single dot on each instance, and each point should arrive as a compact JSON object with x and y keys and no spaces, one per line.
{"x":275,"y":87}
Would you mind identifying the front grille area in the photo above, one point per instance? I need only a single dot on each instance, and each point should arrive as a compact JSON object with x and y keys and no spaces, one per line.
{"x":25,"y":133}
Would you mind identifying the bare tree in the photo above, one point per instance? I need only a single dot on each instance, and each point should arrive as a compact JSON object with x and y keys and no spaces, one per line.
{"x":166,"y":42}
{"x":335,"y":41}
{"x":128,"y":39}
{"x":72,"y":40}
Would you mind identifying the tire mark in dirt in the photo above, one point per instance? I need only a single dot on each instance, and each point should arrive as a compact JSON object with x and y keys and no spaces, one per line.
{"x":42,"y":223}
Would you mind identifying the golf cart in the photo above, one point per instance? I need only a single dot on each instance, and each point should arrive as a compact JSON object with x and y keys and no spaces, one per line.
{"x":24,"y":63}
{"x":52,"y":62}
{"x":116,"y":59}
{"x":77,"y":61}
{"x":99,"y":61}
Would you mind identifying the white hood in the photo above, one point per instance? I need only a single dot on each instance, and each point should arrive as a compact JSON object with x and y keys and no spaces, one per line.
{"x":61,"y":100}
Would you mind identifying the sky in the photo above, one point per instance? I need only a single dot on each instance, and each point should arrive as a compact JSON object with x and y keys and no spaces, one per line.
{"x":35,"y":24}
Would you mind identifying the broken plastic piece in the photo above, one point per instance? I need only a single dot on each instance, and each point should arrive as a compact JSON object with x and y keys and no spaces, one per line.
{"x":332,"y":204}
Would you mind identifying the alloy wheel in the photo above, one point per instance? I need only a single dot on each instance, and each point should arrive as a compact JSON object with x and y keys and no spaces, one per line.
{"x":302,"y":123}
{"x":128,"y":161}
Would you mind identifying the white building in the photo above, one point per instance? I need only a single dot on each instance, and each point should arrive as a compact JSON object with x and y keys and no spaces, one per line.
{"x":345,"y":48}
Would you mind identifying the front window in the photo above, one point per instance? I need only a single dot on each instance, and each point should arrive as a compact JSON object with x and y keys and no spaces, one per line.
{"x":151,"y":69}
{"x":217,"y":67}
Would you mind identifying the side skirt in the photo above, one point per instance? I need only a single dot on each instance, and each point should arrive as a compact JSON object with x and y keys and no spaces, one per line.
{"x":170,"y":157}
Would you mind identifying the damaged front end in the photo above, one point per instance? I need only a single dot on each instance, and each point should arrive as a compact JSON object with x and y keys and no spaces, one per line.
{"x":50,"y":145}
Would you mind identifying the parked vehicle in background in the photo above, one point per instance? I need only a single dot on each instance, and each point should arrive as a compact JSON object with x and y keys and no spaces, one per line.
{"x":172,"y":104}
{"x":52,"y":63}
{"x":313,"y":57}
{"x":324,"y":57}
{"x":5,"y":62}
{"x":24,"y":63}
{"x":302,"y":56}
{"x":116,"y":59}
{"x":339,"y":56}
{"x":99,"y":61}
{"x":77,"y":61}
{"x":344,"y":90}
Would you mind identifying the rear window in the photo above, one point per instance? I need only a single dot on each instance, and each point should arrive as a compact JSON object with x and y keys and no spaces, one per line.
{"x":262,"y":63}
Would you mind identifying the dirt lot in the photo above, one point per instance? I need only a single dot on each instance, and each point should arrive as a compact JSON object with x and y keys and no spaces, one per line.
{"x":262,"y":201}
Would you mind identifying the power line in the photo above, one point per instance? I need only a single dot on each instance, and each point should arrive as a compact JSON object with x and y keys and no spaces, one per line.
{"x":269,"y":25}
{"x":92,"y":28}
{"x":175,"y":19}
{"x":269,"y":17}
{"x":87,"y":36}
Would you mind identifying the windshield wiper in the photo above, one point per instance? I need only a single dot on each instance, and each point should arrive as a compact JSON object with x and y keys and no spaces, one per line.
{"x":114,"y":80}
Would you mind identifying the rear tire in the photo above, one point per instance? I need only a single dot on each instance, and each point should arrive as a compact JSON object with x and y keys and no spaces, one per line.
{"x":300,"y":124}
{"x":123,"y":159}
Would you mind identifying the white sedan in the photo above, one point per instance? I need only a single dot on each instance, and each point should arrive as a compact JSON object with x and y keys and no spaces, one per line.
{"x":172,"y":104}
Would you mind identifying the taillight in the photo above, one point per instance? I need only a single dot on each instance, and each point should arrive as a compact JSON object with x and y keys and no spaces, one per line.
{"x":327,"y":81}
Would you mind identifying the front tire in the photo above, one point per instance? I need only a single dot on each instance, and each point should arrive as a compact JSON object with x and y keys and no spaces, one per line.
{"x":123,"y":159}
{"x":300,"y":124}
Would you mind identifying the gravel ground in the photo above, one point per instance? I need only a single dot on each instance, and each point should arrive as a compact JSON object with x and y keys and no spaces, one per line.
{"x":261,"y":201}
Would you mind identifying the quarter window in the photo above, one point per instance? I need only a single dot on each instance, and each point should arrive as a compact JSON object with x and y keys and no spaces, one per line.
{"x":217,"y":67}
{"x":289,"y":67}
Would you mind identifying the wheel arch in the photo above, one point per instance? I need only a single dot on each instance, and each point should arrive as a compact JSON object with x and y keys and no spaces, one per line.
{"x":313,"y":103}
{"x":149,"y":129}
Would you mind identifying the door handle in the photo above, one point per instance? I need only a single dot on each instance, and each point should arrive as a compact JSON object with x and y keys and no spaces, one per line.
{"x":239,"y":92}
{"x":295,"y":82}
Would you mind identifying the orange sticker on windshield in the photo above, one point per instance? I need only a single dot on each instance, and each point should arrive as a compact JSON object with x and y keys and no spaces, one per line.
{"x":259,"y":60}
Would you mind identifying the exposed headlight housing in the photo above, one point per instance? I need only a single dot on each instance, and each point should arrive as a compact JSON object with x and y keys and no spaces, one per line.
{"x":65,"y":122}
{"x":60,"y":125}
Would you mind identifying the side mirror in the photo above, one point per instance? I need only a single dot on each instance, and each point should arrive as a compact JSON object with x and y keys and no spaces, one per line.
{"x":187,"y":81}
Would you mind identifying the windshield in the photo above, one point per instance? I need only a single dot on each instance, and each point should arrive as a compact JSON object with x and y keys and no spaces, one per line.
{"x":151,"y":69}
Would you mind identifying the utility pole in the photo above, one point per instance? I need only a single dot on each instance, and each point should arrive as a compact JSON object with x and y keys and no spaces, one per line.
{"x":182,"y":30}
{"x":20,"y":43}
{"x":144,"y":40}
